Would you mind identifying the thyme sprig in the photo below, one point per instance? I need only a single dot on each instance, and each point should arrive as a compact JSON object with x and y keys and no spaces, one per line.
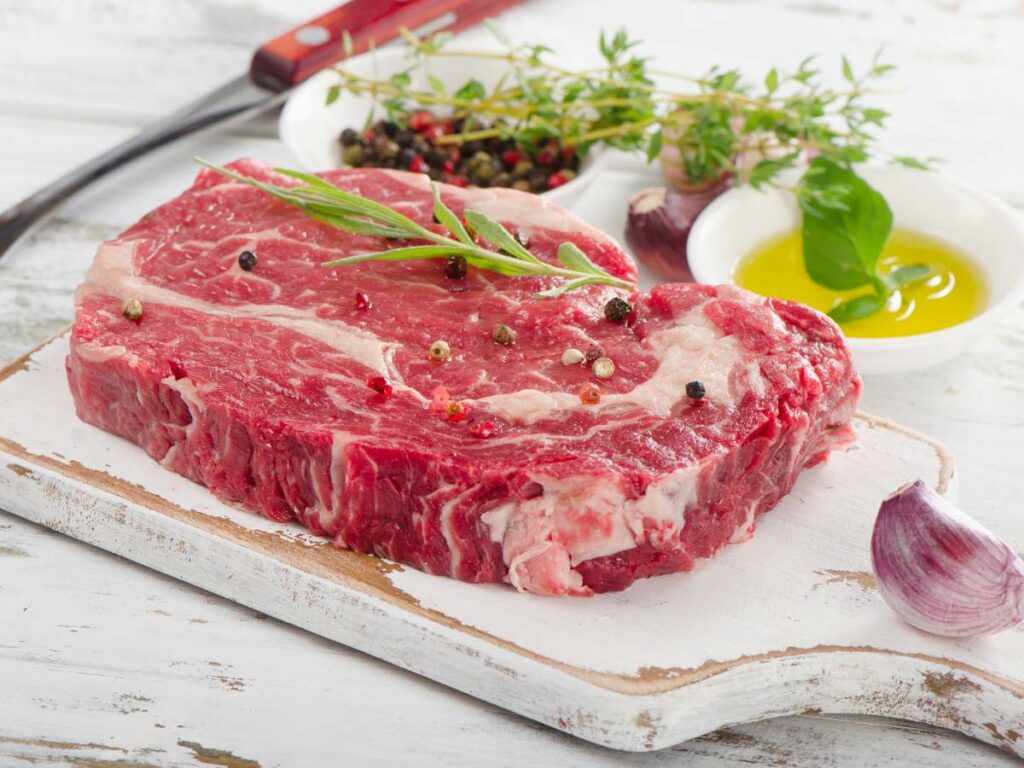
{"x":721,"y":122}
{"x":350,"y":212}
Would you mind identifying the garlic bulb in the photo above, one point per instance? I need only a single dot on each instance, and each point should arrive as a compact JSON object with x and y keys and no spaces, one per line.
{"x":942,"y":571}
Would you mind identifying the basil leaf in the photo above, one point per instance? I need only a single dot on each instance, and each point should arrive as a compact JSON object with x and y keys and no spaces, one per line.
{"x":856,"y":308}
{"x":905,"y":275}
{"x":845,"y":225}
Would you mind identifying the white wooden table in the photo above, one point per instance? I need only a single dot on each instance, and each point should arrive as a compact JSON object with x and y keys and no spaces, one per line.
{"x":105,"y":663}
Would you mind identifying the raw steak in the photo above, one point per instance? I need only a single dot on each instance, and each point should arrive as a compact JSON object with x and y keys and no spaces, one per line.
{"x":255,"y":384}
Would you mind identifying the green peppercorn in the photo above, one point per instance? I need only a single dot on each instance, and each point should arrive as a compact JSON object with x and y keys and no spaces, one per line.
{"x":132,"y":309}
{"x":503,"y":335}
{"x":617,"y":310}
{"x":247,"y":260}
{"x":352,"y":155}
{"x":695,"y":390}
{"x":440,"y":351}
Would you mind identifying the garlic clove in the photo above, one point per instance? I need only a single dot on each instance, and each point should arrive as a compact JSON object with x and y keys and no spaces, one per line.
{"x":942,"y":571}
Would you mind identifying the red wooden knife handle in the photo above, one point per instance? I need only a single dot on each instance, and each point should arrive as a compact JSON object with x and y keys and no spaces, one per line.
{"x":294,"y":56}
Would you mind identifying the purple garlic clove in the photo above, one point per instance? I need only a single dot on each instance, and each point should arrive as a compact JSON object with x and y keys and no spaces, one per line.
{"x":942,"y":571}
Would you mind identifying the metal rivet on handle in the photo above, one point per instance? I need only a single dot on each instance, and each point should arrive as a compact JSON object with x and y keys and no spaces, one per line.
{"x":312,"y":35}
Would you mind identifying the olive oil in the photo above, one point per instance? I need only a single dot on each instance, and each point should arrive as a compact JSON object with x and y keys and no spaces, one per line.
{"x":953,"y":293}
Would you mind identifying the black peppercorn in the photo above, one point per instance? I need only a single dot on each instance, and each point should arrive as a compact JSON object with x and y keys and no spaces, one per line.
{"x":247,"y":260}
{"x":390,"y":129}
{"x":455,"y":267}
{"x":617,"y":310}
{"x":349,"y":137}
{"x":503,"y":335}
{"x":404,"y":138}
{"x":694,"y":390}
{"x":405,"y":157}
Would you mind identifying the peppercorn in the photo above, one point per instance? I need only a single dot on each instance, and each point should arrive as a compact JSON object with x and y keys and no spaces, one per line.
{"x":436,"y":156}
{"x":617,"y":310}
{"x":349,"y":137}
{"x":404,"y":138}
{"x":440,"y":351}
{"x":695,"y":390}
{"x":555,"y":180}
{"x":247,"y":260}
{"x":406,"y":156}
{"x":589,"y":393}
{"x":456,"y":267}
{"x":363,"y":302}
{"x":501,"y":180}
{"x":132,"y":309}
{"x":572,"y":356}
{"x":386,"y":148}
{"x":603,"y":368}
{"x":521,"y":184}
{"x":352,"y":155}
{"x":522,"y":167}
{"x":503,"y":335}
{"x":455,"y":411}
{"x":593,"y":352}
{"x":390,"y":129}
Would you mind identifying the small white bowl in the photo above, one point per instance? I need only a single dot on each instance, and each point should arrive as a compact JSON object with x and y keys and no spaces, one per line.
{"x":310,"y":128}
{"x":979,"y":224}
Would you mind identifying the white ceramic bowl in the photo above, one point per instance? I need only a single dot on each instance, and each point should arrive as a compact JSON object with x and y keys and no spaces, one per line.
{"x":310,"y":128}
{"x":981,"y":225}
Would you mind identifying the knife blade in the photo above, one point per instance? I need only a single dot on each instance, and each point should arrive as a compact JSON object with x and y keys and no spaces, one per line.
{"x":277,"y":67}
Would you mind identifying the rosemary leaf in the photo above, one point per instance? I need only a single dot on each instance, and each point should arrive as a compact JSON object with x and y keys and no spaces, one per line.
{"x":448,"y":219}
{"x":491,"y":231}
{"x":321,"y":200}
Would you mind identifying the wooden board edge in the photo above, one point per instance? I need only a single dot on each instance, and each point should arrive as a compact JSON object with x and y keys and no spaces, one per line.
{"x":822,"y":679}
{"x":370,"y":574}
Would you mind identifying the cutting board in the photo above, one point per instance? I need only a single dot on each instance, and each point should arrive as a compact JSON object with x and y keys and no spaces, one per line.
{"x":787,"y":622}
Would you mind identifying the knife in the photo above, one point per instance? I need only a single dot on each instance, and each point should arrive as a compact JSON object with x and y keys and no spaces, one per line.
{"x":276,"y":68}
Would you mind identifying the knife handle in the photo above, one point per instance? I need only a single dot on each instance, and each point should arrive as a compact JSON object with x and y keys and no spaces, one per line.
{"x":296,"y":55}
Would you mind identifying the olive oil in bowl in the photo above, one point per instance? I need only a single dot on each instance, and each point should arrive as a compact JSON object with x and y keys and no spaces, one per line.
{"x":954,"y":292}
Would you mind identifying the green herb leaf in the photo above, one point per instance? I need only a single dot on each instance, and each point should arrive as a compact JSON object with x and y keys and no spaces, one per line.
{"x":471,"y":90}
{"x":573,"y":258}
{"x":903,"y":276}
{"x":857,"y":308}
{"x":571,"y":285}
{"x":332,"y":95}
{"x":491,"y":231}
{"x":845,"y":226}
{"x":436,"y":85}
{"x":323,"y":201}
{"x":848,"y":71}
{"x":771,"y":80}
{"x":448,"y":219}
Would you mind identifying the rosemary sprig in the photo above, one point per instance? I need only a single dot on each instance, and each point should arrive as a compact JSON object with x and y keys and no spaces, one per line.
{"x":349,"y":212}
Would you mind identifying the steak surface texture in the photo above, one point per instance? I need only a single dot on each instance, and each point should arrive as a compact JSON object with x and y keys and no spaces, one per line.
{"x":257,"y":384}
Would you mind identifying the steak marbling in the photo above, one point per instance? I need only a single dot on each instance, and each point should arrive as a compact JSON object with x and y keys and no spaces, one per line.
{"x":255,"y":385}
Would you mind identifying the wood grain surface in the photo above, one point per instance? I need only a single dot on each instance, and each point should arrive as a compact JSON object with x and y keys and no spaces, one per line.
{"x":104,"y":662}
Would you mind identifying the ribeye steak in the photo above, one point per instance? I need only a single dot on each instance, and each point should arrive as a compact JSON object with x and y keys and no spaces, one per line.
{"x":255,"y":384}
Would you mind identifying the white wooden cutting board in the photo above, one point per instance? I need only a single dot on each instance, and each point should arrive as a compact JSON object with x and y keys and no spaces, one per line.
{"x":788,"y":622}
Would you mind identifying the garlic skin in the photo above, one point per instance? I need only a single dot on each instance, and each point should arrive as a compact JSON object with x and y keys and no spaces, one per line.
{"x":940,"y":570}
{"x":658,"y":225}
